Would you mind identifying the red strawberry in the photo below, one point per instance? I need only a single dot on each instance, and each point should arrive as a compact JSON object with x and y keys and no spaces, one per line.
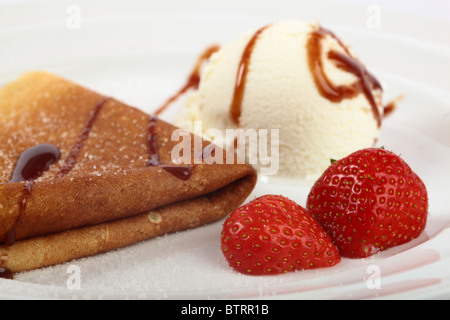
{"x":369,"y":201}
{"x":273,"y":234}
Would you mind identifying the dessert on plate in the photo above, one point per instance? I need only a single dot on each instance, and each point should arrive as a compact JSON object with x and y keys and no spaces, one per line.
{"x":81,"y":173}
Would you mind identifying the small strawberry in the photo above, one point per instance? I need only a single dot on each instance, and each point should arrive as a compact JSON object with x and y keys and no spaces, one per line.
{"x":273,"y":234}
{"x":369,"y":201}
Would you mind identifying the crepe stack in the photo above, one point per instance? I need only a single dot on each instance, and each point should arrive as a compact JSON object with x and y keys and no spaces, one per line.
{"x":103,"y":190}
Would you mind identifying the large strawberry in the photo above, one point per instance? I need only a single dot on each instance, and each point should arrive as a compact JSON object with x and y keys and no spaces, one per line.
{"x":369,"y":201}
{"x":273,"y":234}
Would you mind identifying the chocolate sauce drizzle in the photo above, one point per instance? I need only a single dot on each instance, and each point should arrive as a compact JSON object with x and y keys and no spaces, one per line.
{"x":72,"y":158}
{"x":241,"y":77}
{"x":391,"y":106}
{"x":193,"y":79}
{"x":6,"y":274}
{"x":366,"y":81}
{"x":181,"y":172}
{"x":31,"y":164}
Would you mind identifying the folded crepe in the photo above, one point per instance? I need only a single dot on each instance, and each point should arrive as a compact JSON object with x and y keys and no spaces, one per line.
{"x":81,"y":174}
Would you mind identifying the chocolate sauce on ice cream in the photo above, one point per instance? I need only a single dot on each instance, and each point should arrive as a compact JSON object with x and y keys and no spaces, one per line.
{"x":366,"y":81}
{"x":239,"y":88}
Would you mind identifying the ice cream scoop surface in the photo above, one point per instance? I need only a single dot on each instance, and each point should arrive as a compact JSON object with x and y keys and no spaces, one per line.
{"x":296,"y":77}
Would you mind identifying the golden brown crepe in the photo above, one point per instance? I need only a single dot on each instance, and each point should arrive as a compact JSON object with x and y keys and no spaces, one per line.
{"x":108,"y":196}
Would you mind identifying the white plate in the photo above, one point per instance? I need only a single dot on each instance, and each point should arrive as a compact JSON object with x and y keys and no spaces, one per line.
{"x":141,"y":51}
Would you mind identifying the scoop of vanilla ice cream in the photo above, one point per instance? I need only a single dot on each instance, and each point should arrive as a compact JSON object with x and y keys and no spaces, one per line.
{"x":280,"y":93}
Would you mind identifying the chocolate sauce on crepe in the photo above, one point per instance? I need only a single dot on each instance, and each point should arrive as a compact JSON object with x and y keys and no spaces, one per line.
{"x":32,"y":163}
{"x":181,"y":172}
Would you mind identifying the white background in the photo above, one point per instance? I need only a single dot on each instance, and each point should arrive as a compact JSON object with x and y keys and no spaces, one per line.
{"x":436,"y":9}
